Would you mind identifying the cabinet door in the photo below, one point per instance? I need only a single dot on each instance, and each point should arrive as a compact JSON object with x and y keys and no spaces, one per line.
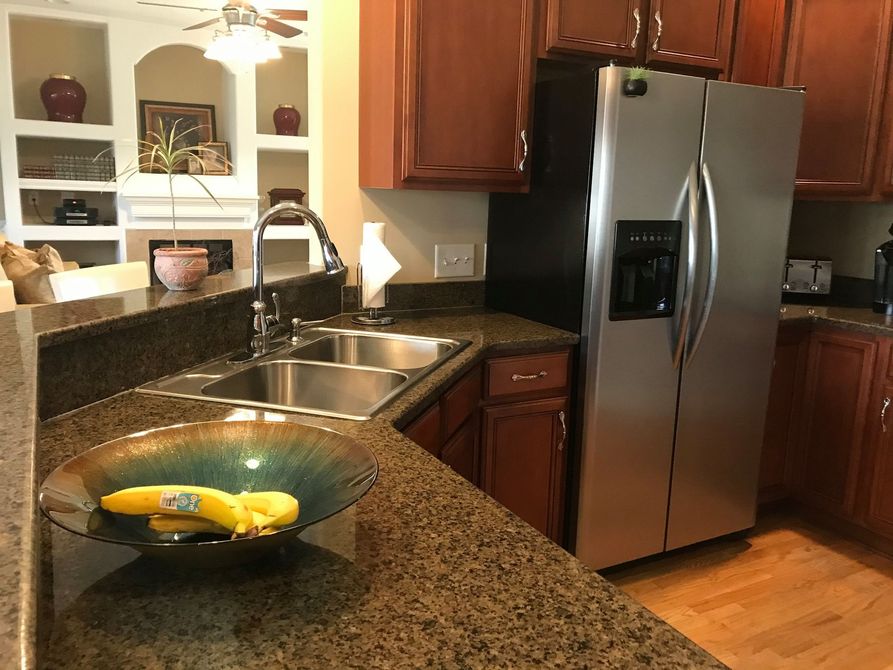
{"x":759,"y":42}
{"x":839,"y":50}
{"x":524,"y":460}
{"x":835,"y":406}
{"x":609,"y":28}
{"x":460,"y":452}
{"x":782,"y":426}
{"x":425,"y":430}
{"x":468,"y":84}
{"x":694,"y":33}
{"x":879,"y":516}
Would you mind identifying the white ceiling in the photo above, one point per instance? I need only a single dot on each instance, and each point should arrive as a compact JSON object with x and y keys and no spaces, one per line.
{"x":130,"y":9}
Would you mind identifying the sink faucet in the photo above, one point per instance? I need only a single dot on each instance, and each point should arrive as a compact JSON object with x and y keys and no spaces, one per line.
{"x":262,"y":325}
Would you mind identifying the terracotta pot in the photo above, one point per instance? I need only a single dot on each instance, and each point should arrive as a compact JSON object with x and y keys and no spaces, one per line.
{"x":64,"y":98}
{"x":181,"y":269}
{"x":287,"y":120}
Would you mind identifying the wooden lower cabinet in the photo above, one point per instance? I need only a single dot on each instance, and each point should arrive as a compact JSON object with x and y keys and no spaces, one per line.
{"x":879,"y":509}
{"x":524,"y":460}
{"x":835,"y":405}
{"x":504,"y":427}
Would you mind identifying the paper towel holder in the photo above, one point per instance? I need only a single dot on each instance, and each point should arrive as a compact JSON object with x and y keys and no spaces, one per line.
{"x":374,"y":318}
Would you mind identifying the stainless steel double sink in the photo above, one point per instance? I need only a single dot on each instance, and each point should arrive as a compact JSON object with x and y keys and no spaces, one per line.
{"x":332,"y":372}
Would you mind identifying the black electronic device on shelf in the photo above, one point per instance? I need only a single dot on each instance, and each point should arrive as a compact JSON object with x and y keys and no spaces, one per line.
{"x":74,"y":212}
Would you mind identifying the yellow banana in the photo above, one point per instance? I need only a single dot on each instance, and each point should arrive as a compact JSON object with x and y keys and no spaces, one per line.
{"x":169,"y":523}
{"x":280,"y":509}
{"x":185,"y":501}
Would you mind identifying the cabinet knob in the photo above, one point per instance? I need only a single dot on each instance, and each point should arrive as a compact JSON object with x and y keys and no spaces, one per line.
{"x":660,"y":28}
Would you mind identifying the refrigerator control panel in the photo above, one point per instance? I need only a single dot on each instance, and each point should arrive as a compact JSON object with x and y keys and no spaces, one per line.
{"x":644,"y":269}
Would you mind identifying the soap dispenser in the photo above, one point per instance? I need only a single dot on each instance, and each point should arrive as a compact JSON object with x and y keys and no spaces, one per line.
{"x":883,"y":278}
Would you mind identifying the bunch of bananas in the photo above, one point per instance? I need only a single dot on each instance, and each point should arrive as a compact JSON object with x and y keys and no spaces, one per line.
{"x":197,"y":509}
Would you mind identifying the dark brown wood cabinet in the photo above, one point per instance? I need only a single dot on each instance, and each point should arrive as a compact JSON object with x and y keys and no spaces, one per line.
{"x":759,"y":42}
{"x":835,"y":405}
{"x":445,"y":94}
{"x":607,"y":29}
{"x":666,"y":34}
{"x":504,"y":426}
{"x":839,"y":50}
{"x":879,"y":504}
{"x":782,"y":415}
{"x":690,"y":33}
{"x":524,"y":460}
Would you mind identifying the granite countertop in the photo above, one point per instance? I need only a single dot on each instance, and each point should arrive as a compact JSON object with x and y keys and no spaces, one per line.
{"x":22,"y":333}
{"x":856,"y":318}
{"x":425,"y":571}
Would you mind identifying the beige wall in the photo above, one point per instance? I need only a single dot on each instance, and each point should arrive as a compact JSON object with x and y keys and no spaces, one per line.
{"x":179,"y":73}
{"x":41,"y":47}
{"x":416,"y":219}
{"x":282,"y":81}
{"x":848,"y":233}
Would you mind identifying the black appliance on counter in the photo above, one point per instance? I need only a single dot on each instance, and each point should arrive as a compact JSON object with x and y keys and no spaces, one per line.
{"x":883,"y":278}
{"x":74,"y":212}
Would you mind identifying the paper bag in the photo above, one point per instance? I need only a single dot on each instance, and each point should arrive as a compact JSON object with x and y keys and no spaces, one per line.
{"x":28,"y":270}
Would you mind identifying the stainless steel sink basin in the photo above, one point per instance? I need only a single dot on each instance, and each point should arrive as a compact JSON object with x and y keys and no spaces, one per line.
{"x":289,"y":384}
{"x":342,"y":373}
{"x":391,"y":353}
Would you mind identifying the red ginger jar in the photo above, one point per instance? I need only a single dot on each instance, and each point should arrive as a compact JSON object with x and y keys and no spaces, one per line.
{"x":64,"y":98}
{"x":287,"y":120}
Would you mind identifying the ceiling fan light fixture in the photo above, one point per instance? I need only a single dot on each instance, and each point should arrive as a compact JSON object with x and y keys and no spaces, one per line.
{"x":242,"y":44}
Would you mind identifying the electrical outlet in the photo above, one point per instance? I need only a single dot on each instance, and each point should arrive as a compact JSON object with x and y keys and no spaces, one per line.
{"x":453,"y":260}
{"x":33,"y":197}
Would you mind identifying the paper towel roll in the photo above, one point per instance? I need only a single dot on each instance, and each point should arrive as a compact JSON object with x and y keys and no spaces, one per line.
{"x":378,"y":265}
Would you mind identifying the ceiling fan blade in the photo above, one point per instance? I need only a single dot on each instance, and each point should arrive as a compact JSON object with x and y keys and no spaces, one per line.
{"x":204,"y":24}
{"x":274,"y":26}
{"x":289,"y":14}
{"x":165,"y":4}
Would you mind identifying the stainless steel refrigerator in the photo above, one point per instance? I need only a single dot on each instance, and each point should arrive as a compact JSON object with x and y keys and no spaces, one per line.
{"x":656,"y":226}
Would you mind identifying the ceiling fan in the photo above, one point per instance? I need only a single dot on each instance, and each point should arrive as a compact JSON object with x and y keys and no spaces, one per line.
{"x":242,"y":14}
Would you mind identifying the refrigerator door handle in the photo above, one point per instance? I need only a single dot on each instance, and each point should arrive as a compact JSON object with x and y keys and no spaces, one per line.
{"x":713,"y":268}
{"x":693,"y":231}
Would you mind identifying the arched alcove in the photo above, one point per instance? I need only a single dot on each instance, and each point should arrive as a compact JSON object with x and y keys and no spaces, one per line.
{"x":180,"y":74}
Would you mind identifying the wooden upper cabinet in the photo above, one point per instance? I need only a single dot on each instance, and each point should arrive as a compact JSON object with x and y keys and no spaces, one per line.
{"x":839,"y":50}
{"x":608,"y":28}
{"x":835,"y":408}
{"x":445,"y":93}
{"x":691,"y":33}
{"x":759,"y":42}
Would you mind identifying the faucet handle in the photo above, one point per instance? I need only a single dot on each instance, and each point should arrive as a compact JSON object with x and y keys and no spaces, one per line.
{"x":276,"y":318}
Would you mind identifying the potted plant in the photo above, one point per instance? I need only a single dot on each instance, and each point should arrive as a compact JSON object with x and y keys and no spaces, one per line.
{"x":636,"y":83}
{"x":179,"y":268}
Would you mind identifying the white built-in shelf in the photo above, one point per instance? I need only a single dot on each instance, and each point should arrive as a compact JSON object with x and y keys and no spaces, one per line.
{"x":63,"y":131}
{"x":66,"y":185}
{"x":71,"y":233}
{"x":289,"y":232}
{"x":294,"y":143}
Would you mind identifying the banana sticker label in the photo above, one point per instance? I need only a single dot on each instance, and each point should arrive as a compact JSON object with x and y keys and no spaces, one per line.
{"x":179,"y":502}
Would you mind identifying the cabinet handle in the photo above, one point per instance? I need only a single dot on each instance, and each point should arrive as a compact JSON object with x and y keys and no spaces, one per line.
{"x":520,"y":378}
{"x":884,"y":414}
{"x":660,"y":29}
{"x":563,"y":430}
{"x":638,"y":19}
{"x":523,"y":164}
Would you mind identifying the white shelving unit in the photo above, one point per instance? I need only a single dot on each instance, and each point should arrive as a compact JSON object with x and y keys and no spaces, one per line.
{"x":142,"y":203}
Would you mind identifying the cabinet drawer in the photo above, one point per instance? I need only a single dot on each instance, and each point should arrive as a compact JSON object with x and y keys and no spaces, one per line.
{"x":460,"y":401}
{"x":517,"y":375}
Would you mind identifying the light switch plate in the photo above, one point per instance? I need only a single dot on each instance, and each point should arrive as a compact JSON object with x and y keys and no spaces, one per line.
{"x":453,"y":260}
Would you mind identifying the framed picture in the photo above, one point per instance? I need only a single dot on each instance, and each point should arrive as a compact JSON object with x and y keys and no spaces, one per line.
{"x":214,"y":157}
{"x":197,"y":121}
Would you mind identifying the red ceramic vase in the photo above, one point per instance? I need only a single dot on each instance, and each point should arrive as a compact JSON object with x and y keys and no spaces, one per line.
{"x":64,"y":98}
{"x":287,"y":120}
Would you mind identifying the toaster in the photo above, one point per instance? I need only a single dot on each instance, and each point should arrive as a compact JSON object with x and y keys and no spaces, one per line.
{"x":807,"y":275}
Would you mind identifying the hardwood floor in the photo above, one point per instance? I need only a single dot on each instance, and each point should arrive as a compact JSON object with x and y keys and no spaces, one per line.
{"x":790,"y":595}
